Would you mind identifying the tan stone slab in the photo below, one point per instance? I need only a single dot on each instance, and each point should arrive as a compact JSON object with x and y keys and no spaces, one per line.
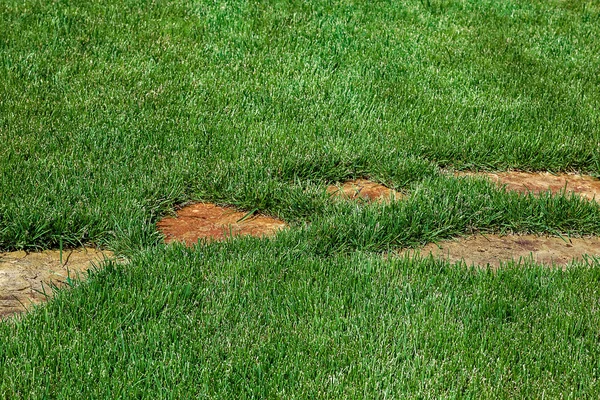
{"x":25,"y":276}
{"x":491,"y":250}
{"x":540,"y":182}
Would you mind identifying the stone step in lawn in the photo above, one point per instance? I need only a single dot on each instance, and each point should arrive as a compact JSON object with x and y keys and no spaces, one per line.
{"x":540,"y":182}
{"x":215,"y":223}
{"x":26,"y":276}
{"x":492,"y":250}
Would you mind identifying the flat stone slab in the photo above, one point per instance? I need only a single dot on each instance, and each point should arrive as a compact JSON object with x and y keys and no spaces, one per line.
{"x":484,"y":250}
{"x":365,"y":190}
{"x":25,"y":276}
{"x":541,"y":182}
{"x":215,"y":223}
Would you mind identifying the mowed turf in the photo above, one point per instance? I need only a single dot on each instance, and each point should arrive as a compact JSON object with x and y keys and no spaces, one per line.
{"x":113,"y":112}
{"x":255,"y":319}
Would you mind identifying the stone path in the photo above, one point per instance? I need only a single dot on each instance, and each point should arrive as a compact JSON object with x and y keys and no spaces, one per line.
{"x":25,"y":276}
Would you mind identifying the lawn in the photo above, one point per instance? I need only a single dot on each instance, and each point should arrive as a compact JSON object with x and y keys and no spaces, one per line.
{"x":114,"y":112}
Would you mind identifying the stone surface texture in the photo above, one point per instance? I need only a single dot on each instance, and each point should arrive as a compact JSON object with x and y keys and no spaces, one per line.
{"x":215,"y":223}
{"x":365,"y":190}
{"x":24,"y":277}
{"x":484,"y":250}
{"x":540,"y":182}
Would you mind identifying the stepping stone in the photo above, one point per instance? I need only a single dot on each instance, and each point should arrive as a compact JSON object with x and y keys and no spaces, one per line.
{"x":484,"y":250}
{"x":365,"y":190}
{"x":25,"y":276}
{"x":215,"y":223}
{"x":541,"y":182}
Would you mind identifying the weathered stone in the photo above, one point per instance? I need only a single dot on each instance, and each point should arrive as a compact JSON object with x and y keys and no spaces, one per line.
{"x":491,"y":250}
{"x":215,"y":223}
{"x":25,"y":277}
{"x":363,"y":189}
{"x":540,"y":182}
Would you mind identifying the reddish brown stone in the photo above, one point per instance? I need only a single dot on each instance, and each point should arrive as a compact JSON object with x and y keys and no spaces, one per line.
{"x":363,"y":189}
{"x":215,"y":223}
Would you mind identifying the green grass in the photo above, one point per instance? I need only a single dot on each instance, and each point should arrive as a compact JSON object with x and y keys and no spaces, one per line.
{"x":113,"y":112}
{"x":269,"y":319}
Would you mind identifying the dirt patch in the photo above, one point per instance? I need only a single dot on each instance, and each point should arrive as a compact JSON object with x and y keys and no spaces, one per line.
{"x":363,"y":189}
{"x":490,"y":250}
{"x":25,"y":276}
{"x":211,"y":222}
{"x":540,"y":182}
